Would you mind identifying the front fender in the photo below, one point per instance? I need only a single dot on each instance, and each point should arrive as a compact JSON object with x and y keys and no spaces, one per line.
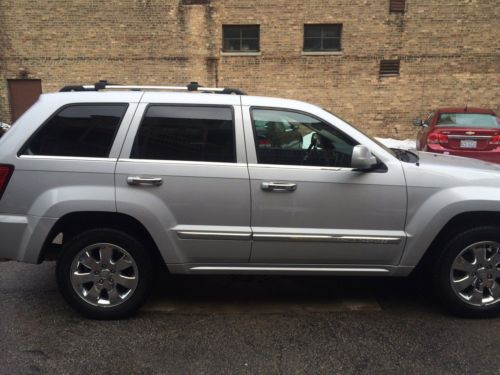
{"x":435,"y":208}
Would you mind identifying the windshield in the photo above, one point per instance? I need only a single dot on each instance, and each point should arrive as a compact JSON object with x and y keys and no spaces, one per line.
{"x":468,"y":120}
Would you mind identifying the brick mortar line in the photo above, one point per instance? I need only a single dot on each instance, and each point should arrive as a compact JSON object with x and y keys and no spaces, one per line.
{"x":262,"y":57}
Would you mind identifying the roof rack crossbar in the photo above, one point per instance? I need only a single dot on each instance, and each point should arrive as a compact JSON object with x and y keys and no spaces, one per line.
{"x":193,"y":86}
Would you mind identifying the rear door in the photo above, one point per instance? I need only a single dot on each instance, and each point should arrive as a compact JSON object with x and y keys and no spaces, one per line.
{"x":183,"y":173}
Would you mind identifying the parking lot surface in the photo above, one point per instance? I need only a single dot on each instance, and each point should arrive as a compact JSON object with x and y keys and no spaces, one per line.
{"x":244,"y":324}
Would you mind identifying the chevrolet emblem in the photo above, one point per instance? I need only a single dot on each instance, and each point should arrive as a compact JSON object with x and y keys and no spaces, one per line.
{"x":470,"y":133}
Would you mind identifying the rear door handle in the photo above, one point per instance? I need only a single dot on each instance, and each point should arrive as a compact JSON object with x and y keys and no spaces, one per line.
{"x":278,"y":186}
{"x":137,"y":180}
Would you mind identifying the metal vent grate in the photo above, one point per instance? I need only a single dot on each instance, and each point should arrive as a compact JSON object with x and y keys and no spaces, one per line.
{"x":195,"y":2}
{"x":397,"y":6}
{"x":389,"y":68}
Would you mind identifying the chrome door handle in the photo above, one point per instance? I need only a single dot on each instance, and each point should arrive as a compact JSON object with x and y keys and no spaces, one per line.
{"x":278,"y":186}
{"x":136,"y":180}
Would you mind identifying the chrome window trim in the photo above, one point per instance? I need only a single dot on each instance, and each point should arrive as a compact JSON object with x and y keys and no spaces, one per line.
{"x":51,"y":157}
{"x":308,"y":167}
{"x":288,"y":269}
{"x":184,"y":162}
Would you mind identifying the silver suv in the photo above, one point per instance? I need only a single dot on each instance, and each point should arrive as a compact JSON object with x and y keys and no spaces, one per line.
{"x":117,"y":180}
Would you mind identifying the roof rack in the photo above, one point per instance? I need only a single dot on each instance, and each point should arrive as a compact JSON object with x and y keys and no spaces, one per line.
{"x":193,"y":86}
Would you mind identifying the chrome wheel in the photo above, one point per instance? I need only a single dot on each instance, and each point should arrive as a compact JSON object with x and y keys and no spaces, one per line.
{"x":475,"y":274}
{"x":104,"y":275}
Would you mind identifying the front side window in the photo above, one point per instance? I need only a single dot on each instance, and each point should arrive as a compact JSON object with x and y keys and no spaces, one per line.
{"x":240,"y":38}
{"x":468,"y":120}
{"x":292,"y":138}
{"x":190,"y":133}
{"x":80,"y":130}
{"x":318,"y":38}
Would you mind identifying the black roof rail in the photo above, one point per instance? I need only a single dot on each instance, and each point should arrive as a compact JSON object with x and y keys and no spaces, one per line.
{"x":192,"y":86}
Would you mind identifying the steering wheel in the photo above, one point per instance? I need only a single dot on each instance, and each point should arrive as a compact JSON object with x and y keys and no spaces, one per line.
{"x":318,"y":140}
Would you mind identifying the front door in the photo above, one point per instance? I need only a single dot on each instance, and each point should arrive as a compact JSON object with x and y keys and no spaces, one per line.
{"x":184,"y":175}
{"x":308,"y":205}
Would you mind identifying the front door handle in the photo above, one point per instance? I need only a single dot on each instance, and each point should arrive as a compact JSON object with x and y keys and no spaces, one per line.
{"x":137,"y":180}
{"x":278,"y":186}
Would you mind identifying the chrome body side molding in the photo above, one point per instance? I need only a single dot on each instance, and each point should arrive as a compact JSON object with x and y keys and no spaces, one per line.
{"x":326,"y":238}
{"x":207,"y":235}
{"x":217,"y":235}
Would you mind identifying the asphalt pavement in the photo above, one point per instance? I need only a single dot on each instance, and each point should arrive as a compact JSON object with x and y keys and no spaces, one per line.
{"x":244,"y":324}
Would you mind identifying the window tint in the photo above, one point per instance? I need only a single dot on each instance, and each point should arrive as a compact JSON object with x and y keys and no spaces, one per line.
{"x":240,"y":38}
{"x":186,"y":133}
{"x":292,"y":138}
{"x":78,"y":130}
{"x":322,"y":37}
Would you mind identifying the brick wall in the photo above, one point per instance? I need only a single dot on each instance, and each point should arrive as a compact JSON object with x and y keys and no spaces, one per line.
{"x":449,"y":51}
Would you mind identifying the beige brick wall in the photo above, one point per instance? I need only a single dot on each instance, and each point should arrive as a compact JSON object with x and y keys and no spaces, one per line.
{"x":449,"y":51}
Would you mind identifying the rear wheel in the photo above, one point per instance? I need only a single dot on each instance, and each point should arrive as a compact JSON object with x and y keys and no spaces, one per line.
{"x":467,"y":273}
{"x":104,"y":273}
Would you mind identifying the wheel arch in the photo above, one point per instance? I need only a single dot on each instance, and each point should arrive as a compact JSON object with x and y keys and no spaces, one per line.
{"x":73,"y":223}
{"x":457,"y":224}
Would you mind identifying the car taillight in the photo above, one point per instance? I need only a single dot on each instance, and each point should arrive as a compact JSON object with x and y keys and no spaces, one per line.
{"x":264,"y":143}
{"x":495,"y":140}
{"x":437,"y":138}
{"x":5,"y":173}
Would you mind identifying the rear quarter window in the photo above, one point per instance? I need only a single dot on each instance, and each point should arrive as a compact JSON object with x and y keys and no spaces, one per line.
{"x":78,"y":130}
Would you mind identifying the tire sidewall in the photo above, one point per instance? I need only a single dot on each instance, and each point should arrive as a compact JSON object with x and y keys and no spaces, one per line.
{"x":136,"y":250}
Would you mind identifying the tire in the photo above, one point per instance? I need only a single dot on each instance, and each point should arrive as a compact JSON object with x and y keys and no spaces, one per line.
{"x":105,"y":274}
{"x":466,"y":277}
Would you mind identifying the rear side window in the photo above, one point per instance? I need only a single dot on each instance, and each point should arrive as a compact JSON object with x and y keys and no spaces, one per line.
{"x":78,"y":130}
{"x":191,"y":133}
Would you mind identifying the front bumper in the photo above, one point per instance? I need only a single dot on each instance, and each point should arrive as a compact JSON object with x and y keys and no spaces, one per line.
{"x":22,"y":237}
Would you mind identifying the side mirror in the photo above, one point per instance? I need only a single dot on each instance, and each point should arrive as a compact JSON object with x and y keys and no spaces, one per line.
{"x":362,"y":159}
{"x":418,"y":122}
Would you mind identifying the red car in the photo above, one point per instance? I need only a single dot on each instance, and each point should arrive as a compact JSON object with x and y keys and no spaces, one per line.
{"x":469,"y":132}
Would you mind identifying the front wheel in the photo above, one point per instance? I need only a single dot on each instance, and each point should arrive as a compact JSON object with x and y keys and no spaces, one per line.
{"x":467,"y":274}
{"x":104,"y":273}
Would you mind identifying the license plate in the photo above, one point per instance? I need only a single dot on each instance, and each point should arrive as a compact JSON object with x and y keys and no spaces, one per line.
{"x":468,"y":143}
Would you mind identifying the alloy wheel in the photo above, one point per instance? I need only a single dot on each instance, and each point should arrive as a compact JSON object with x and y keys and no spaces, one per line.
{"x":475,"y":274}
{"x":104,"y":275}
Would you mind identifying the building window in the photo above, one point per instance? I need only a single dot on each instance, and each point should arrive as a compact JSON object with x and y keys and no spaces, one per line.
{"x":397,"y":6}
{"x":239,"y":38}
{"x":389,"y":68}
{"x":319,"y":38}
